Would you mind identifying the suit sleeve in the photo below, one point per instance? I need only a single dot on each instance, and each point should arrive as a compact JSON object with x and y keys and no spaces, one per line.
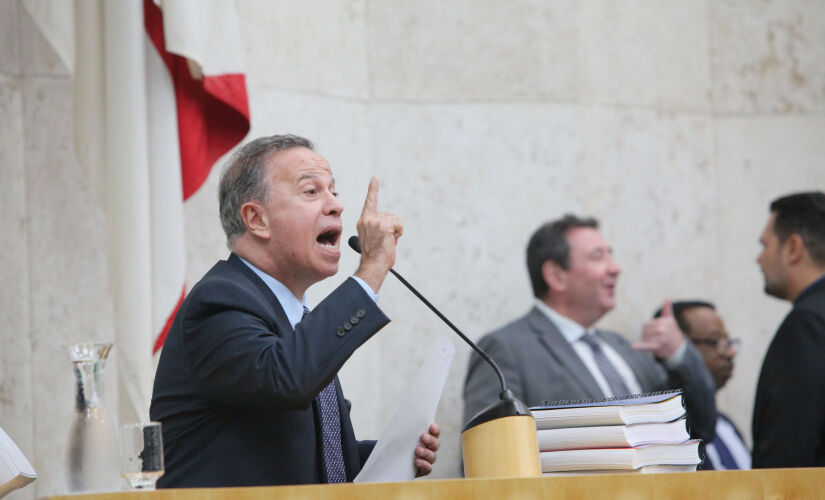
{"x":789,"y":418}
{"x":482,"y":387}
{"x":700,"y":393}
{"x":364,"y":450}
{"x":240,"y":359}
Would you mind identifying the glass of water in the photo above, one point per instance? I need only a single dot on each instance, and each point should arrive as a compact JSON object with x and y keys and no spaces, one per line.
{"x":141,"y":454}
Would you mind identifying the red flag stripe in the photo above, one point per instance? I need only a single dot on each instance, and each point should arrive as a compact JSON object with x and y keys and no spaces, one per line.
{"x":162,"y":336}
{"x":213,"y":113}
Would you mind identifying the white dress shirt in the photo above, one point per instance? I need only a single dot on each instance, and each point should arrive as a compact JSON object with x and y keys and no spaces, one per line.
{"x":573,"y":333}
{"x":739,"y":451}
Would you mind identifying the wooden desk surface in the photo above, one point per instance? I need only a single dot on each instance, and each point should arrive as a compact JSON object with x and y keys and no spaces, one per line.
{"x":767,"y":483}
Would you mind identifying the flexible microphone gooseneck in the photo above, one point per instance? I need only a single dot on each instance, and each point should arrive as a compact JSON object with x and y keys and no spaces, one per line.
{"x":505,"y":393}
{"x":501,"y":440}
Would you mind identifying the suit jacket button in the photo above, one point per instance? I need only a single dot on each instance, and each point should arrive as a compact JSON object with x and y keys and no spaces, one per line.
{"x":360,"y":313}
{"x":347,"y":326}
{"x":340,"y":331}
{"x":354,"y":320}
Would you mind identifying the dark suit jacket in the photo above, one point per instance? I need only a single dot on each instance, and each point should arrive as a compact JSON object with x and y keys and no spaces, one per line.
{"x":789,"y":412}
{"x":539,"y":364}
{"x":235,"y":386}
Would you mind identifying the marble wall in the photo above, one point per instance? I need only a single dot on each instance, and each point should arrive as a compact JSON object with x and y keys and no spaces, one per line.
{"x":673,"y":122}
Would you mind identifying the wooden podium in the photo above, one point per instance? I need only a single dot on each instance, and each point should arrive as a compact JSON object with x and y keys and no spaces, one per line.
{"x":765,"y":483}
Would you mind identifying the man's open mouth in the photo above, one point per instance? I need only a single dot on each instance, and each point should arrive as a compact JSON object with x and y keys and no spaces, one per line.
{"x":330,"y":237}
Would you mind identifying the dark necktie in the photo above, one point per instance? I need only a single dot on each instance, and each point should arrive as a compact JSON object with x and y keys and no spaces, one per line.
{"x":611,"y":375}
{"x":725,"y":455}
{"x":331,"y":454}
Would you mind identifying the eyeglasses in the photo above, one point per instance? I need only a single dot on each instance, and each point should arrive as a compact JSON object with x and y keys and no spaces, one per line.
{"x":720,"y":345}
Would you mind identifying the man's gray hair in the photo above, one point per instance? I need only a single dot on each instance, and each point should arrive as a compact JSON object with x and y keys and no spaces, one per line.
{"x":244,"y":179}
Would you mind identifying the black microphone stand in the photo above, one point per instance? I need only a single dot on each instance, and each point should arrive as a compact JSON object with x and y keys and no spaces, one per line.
{"x":508,"y":406}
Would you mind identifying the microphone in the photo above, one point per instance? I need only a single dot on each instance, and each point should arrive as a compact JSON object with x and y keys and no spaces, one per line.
{"x":506,"y":425}
{"x":505,"y":393}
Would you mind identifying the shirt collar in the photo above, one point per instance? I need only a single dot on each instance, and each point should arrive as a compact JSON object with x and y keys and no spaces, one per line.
{"x":293,"y":307}
{"x":569,"y":329}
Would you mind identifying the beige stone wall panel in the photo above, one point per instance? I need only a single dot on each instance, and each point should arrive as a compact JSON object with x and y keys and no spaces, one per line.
{"x":767,"y":57}
{"x":9,"y":37}
{"x":37,"y":57}
{"x":311,"y":46}
{"x":473,"y":50}
{"x":644,"y":53}
{"x":636,"y":53}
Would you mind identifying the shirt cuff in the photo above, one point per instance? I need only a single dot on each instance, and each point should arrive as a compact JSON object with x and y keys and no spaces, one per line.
{"x":367,"y":288}
{"x":677,"y":357}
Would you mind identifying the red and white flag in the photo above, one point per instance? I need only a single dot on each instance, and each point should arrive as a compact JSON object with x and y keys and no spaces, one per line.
{"x":198,"y":44}
{"x":159,"y":97}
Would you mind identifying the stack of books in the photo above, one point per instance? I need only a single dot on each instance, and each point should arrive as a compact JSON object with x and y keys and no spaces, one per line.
{"x":15,"y":470}
{"x":642,"y":433}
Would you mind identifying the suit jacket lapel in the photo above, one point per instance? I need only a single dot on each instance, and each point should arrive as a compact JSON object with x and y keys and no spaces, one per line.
{"x":275,"y":306}
{"x":563,"y":352}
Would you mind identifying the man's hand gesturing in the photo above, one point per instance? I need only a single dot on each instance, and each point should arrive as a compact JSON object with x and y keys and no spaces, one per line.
{"x":661,"y":336}
{"x":378,"y":234}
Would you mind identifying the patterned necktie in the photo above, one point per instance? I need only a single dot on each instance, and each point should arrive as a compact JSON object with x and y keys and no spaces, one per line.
{"x":614,"y":380}
{"x":331,"y":454}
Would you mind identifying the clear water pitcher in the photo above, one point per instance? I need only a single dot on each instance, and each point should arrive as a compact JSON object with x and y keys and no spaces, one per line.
{"x":91,"y":451}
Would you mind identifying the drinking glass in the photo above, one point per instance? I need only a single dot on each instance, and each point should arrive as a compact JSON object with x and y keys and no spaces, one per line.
{"x":141,"y":454}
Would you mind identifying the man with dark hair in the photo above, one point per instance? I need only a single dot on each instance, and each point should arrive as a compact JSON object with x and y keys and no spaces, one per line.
{"x":789,"y":413}
{"x":701,"y":324}
{"x":554,"y":353}
{"x":246,"y":386}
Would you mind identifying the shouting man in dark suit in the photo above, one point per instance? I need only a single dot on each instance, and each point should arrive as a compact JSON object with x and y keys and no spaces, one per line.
{"x":246,"y":386}
{"x":789,"y":413}
{"x":554,"y":353}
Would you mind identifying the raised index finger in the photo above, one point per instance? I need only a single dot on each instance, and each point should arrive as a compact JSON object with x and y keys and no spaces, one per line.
{"x":371,"y":202}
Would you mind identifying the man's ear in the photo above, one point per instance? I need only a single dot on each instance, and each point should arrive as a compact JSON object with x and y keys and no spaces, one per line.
{"x":554,"y":275}
{"x":794,"y":249}
{"x":255,"y":219}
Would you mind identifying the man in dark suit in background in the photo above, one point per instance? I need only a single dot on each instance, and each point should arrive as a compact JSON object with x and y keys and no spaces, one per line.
{"x":554,"y":353}
{"x":246,"y":386}
{"x":699,"y":321}
{"x":789,"y":413}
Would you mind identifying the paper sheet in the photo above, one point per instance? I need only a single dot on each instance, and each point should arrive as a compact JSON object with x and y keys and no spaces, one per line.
{"x":392,"y":457}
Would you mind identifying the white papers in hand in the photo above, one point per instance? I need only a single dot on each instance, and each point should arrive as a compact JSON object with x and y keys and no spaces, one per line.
{"x":392,"y":457}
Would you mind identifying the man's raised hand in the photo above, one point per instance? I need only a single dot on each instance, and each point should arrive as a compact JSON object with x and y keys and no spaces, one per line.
{"x":661,"y":336}
{"x":378,"y":234}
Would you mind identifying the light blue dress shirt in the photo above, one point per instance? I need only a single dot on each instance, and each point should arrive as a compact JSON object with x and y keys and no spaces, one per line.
{"x":293,"y":307}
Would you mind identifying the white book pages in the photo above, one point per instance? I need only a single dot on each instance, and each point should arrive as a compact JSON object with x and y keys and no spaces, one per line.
{"x":649,"y":469}
{"x":15,"y":469}
{"x":686,"y":453}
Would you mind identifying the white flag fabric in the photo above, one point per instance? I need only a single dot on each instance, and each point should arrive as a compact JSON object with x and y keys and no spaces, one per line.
{"x":197,"y":94}
{"x":150,"y":121}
